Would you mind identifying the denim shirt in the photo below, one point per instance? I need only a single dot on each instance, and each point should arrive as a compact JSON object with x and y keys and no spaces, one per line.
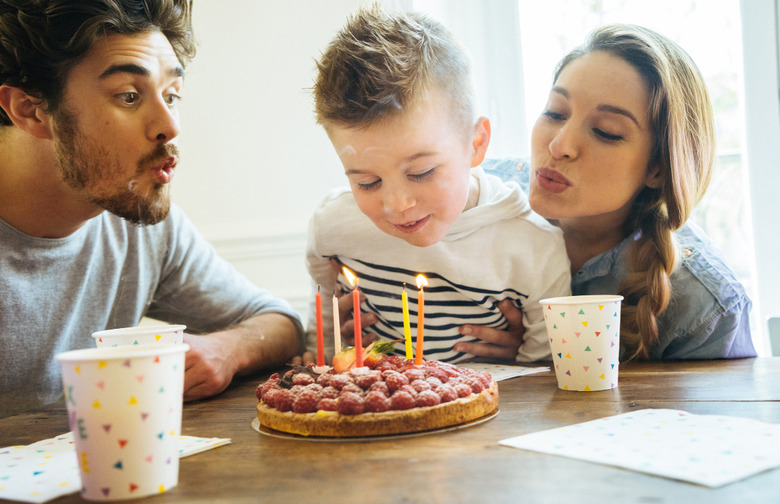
{"x":708,"y":315}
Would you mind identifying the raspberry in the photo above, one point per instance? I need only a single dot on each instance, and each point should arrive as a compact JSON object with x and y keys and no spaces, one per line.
{"x":302,"y":379}
{"x":350,"y":403}
{"x":446,"y":393}
{"x":324,"y":379}
{"x":463,"y":390}
{"x":433,"y":381}
{"x":283,"y":400}
{"x":268,"y":397}
{"x":420,"y":385}
{"x":409,"y":390}
{"x":376,"y":402}
{"x":427,"y":398}
{"x":475,"y":384}
{"x":306,"y":402}
{"x":395,"y":360}
{"x":316,"y":387}
{"x":331,"y":393}
{"x":401,"y":401}
{"x":327,"y":404}
{"x":431,"y":371}
{"x":338,"y":381}
{"x":414,"y":374}
{"x":385,"y":366}
{"x":485,"y":378}
{"x":380,"y":386}
{"x":351,"y":387}
{"x":365,"y":381}
{"x":266,"y":388}
{"x":259,"y":391}
{"x":396,"y":380}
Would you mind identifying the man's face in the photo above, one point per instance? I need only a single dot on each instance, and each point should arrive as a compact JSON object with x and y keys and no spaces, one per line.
{"x":115,"y":129}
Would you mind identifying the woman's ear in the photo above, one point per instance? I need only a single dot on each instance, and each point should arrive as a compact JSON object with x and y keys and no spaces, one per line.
{"x":654,"y":179}
{"x":480,"y":141}
{"x":26,"y":112}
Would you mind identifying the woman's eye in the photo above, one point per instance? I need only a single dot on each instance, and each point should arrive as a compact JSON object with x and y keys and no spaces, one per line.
{"x":554,"y":116}
{"x":422,"y":176}
{"x":607,"y":136}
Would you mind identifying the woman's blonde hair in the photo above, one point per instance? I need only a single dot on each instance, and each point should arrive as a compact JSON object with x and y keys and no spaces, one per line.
{"x":382,"y":64}
{"x":681,"y":122}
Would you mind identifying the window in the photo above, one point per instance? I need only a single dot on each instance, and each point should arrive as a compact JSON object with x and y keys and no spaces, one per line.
{"x":709,"y":30}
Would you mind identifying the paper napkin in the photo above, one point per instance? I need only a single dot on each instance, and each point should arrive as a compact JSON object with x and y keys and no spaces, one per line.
{"x":504,"y":372}
{"x":48,"y":469}
{"x":710,"y":450}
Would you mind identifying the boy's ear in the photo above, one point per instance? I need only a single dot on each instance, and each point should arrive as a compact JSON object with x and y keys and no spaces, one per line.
{"x":26,"y":112}
{"x":480,"y":141}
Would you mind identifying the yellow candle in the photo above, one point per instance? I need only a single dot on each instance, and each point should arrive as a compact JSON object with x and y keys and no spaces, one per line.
{"x":407,"y":329}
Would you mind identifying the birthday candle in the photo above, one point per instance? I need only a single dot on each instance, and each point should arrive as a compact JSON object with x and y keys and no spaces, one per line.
{"x":320,"y":342}
{"x":418,"y":357}
{"x":353,"y":281}
{"x":407,"y":330}
{"x":336,"y":325}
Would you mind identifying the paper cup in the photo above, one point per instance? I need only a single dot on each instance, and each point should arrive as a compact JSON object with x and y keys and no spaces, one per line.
{"x":584,"y":333}
{"x":141,"y":335}
{"x":124,"y":408}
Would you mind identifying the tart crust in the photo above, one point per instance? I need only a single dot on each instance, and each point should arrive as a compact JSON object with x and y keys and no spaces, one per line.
{"x":332,"y":424}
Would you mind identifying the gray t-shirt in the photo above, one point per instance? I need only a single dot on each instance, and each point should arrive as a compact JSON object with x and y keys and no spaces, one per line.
{"x":54,"y":293}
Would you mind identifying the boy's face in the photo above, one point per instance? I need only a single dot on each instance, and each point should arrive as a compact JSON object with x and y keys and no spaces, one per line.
{"x":410,"y":174}
{"x":115,"y":131}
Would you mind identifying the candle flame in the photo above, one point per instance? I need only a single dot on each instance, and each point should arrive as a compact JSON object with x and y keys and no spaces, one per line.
{"x":421,"y":281}
{"x":351,"y":277}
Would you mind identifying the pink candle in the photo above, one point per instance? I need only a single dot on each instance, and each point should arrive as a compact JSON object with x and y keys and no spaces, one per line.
{"x":320,"y":341}
{"x":353,"y":281}
{"x":421,"y":282}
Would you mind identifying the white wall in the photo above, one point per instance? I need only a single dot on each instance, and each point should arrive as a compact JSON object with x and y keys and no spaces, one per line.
{"x":254,"y":163}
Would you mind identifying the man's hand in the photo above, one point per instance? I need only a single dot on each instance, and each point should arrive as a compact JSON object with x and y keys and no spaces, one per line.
{"x":264,"y":341}
{"x":498,"y":344}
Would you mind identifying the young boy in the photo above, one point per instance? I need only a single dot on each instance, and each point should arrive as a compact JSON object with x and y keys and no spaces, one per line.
{"x":394,"y":94}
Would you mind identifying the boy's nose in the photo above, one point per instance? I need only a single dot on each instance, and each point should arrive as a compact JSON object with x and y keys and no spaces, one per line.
{"x":398,"y":201}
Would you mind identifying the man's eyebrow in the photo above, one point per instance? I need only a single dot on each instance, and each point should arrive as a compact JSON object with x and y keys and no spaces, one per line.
{"x":131,"y":68}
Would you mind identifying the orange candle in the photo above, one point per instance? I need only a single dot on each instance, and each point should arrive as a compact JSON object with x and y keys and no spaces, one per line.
{"x":353,"y":281}
{"x":320,"y":341}
{"x":421,"y":282}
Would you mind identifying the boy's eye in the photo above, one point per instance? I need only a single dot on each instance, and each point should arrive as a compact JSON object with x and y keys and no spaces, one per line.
{"x":424,"y":175}
{"x":369,"y":186}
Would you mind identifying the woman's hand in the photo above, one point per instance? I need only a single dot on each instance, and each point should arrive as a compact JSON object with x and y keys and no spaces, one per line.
{"x":497,"y":343}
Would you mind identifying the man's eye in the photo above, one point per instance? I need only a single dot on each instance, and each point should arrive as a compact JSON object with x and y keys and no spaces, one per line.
{"x":172,"y":99}
{"x":128,"y":98}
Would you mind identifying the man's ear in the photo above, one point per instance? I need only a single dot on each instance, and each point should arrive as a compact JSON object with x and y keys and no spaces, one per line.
{"x":654,"y":178}
{"x":25,"y":112}
{"x":480,"y":141}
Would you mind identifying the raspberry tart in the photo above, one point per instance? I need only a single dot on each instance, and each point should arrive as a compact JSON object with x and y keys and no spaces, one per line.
{"x":389,"y":395}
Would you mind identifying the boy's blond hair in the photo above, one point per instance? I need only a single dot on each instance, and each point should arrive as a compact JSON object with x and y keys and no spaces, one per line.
{"x":382,"y":64}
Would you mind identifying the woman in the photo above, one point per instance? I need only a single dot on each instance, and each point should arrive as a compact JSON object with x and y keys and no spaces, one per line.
{"x":620,"y":156}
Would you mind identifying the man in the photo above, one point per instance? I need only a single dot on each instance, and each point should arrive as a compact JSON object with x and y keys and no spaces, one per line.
{"x":88,"y":237}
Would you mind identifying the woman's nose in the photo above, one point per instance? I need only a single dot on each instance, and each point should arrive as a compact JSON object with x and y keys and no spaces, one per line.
{"x":564,"y":144}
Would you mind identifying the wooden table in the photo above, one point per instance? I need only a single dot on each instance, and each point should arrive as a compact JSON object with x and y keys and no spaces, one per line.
{"x":465,"y":465}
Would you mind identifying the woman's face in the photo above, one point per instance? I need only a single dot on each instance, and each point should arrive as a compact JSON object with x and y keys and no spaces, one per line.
{"x":590,"y":148}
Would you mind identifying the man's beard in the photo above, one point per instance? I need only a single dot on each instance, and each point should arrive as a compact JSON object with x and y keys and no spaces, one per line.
{"x":99,"y":179}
